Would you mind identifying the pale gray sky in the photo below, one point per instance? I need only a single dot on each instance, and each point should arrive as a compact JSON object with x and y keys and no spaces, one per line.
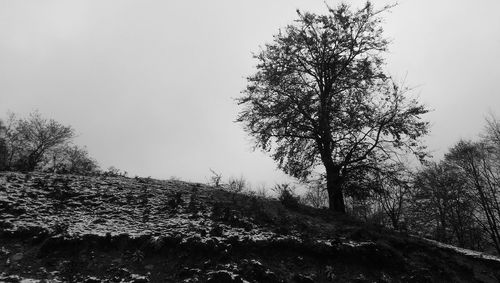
{"x":149,"y":85}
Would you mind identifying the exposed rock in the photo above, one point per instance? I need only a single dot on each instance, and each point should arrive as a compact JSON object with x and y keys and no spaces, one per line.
{"x":16,"y":257}
{"x":92,"y":279}
{"x":139,"y":279}
{"x":255,"y":271}
{"x":223,"y":276}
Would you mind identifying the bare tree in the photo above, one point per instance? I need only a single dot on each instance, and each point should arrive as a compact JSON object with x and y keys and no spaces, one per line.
{"x":13,"y":141}
{"x":458,"y":199}
{"x":479,"y":162}
{"x":215,"y":179}
{"x":393,"y":193}
{"x":69,"y":159}
{"x":28,"y":139}
{"x":493,"y":130}
{"x":262,"y":191}
{"x":443,"y":204}
{"x":316,"y":194}
{"x":236,"y":185}
{"x":79,"y":160}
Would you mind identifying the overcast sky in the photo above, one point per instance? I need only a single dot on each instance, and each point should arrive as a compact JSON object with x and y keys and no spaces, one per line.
{"x":149,"y":85}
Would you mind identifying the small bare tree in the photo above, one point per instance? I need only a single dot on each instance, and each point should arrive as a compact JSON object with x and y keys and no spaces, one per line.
{"x":316,"y":194}
{"x":69,"y":159}
{"x":236,"y":185}
{"x":37,"y":135}
{"x":262,"y":191}
{"x":12,"y":141}
{"x":394,"y":192}
{"x":215,"y":179}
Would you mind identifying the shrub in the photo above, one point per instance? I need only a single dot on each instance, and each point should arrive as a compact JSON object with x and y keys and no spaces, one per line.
{"x":115,"y":172}
{"x":69,"y":159}
{"x":287,"y":196}
{"x":236,"y":185}
{"x":215,"y":179}
{"x":316,"y":194}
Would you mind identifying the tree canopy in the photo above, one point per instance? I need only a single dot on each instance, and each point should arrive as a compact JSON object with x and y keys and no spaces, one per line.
{"x":320,"y":97}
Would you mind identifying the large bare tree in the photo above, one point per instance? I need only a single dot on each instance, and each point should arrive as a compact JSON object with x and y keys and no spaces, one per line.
{"x":320,"y":98}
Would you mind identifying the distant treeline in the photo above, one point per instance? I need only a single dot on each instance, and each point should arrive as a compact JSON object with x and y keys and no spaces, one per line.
{"x":455,"y":200}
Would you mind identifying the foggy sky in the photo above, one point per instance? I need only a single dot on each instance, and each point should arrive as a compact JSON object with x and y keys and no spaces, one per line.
{"x":150,"y":85}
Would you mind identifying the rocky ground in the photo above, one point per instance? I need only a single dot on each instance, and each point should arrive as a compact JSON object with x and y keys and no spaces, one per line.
{"x":64,"y":228}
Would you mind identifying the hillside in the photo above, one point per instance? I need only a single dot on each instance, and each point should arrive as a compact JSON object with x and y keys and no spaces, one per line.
{"x":64,"y":228}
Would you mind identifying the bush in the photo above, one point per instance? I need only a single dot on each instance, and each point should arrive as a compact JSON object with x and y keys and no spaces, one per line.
{"x":316,"y":194}
{"x":236,"y":185}
{"x":115,"y":172}
{"x":287,"y":196}
{"x":69,"y":159}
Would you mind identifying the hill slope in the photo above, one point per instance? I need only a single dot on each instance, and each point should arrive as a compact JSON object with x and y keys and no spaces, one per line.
{"x":63,"y":228}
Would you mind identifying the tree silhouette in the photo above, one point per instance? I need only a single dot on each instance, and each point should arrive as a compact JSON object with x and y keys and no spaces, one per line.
{"x":30,"y":138}
{"x":320,"y":97}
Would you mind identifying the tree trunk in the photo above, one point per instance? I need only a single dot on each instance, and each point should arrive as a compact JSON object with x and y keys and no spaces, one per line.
{"x":334,"y":188}
{"x":31,"y":161}
{"x":3,"y":154}
{"x":395,"y":221}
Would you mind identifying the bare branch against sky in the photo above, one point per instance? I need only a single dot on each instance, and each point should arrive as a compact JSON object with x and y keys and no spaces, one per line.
{"x":149,"y":85}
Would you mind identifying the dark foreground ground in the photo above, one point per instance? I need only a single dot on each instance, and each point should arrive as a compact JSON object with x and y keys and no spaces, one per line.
{"x":61,"y":228}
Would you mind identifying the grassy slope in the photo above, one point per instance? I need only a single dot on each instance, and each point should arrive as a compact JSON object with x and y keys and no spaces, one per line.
{"x":94,"y":229}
